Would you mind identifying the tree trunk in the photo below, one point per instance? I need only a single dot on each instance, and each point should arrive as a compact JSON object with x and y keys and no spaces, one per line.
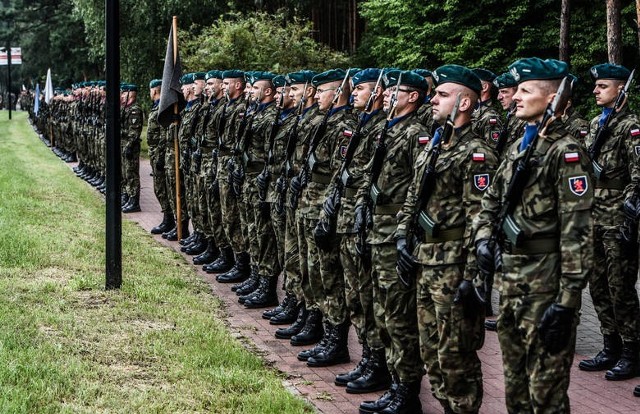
{"x":638,"y":22}
{"x":614,"y":32}
{"x":565,"y":23}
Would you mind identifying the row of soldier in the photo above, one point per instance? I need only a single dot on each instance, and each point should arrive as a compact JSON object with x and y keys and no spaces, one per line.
{"x":385,"y":199}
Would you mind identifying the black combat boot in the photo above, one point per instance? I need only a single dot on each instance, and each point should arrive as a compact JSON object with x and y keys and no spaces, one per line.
{"x":628,"y":366}
{"x":406,"y":400}
{"x":312,"y":330}
{"x":186,"y":243}
{"x":369,"y":407}
{"x":167,"y":224}
{"x":78,"y":167}
{"x":319,"y":347}
{"x":491,"y":325}
{"x":288,"y":314}
{"x":172,"y":235}
{"x":375,"y":377}
{"x":296,"y":327}
{"x":188,"y":239}
{"x":239,"y":272}
{"x":98,"y":181}
{"x":265,"y":295}
{"x":256,"y":286}
{"x":248,"y":285}
{"x":343,"y":379}
{"x":607,"y":358}
{"x":124,"y":199}
{"x":198,"y":247}
{"x":336,"y":351}
{"x":133,"y":206}
{"x":636,"y":391}
{"x":223,"y":263}
{"x":270,"y":313}
{"x":209,"y":254}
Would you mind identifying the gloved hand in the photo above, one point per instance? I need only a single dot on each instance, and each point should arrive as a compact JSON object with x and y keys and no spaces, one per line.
{"x":331,"y":204}
{"x":159,"y":164}
{"x":128,"y":152}
{"x":485,"y":257}
{"x":281,"y":185}
{"x":231,"y":166}
{"x":237,"y":178}
{"x":471,"y":298}
{"x":631,"y":207}
{"x":262,"y":181}
{"x":323,"y":234}
{"x":296,"y":185}
{"x":555,"y":327}
{"x":406,"y":263}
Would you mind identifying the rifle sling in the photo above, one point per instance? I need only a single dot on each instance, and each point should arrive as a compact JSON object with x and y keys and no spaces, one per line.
{"x":532,"y":246}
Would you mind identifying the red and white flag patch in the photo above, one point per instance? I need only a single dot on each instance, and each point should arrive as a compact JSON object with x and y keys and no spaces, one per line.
{"x":493,"y":121}
{"x":478,"y":157}
{"x":423,"y":140}
{"x":347,"y":133}
{"x":635,"y":132}
{"x":571,"y":157}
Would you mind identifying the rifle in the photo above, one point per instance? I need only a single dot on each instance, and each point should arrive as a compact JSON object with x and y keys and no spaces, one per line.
{"x":265,"y":175}
{"x":287,"y":168}
{"x":318,"y":135}
{"x":238,"y":170}
{"x":603,"y":131}
{"x":504,"y":134}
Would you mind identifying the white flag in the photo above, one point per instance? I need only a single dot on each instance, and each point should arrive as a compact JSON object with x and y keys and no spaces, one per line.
{"x":48,"y":88}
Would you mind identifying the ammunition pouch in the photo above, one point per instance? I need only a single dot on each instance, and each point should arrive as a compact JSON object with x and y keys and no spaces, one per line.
{"x":512,"y":231}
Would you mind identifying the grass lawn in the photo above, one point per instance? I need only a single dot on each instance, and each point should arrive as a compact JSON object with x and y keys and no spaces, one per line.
{"x":158,"y":345}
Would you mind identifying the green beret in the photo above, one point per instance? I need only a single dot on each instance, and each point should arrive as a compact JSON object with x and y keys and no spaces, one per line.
{"x":186,"y":79}
{"x":353,"y":71}
{"x":213,"y":74}
{"x":425,"y":73}
{"x":303,"y":76}
{"x":609,"y":71}
{"x":258,"y":76}
{"x":199,"y":76}
{"x":457,"y":74}
{"x":128,"y":87}
{"x":331,"y":75}
{"x":505,"y":81}
{"x":248,"y":76}
{"x":537,"y":69}
{"x":279,"y":81}
{"x":232,"y":74}
{"x":366,"y":75}
{"x":155,"y":83}
{"x":409,"y":78}
{"x":484,"y":74}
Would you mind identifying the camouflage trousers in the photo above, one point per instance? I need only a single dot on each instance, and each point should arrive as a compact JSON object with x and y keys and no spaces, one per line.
{"x":535,"y":381}
{"x":394,"y":306}
{"x":311,"y":282}
{"x":203,"y":182}
{"x":333,"y":304}
{"x":358,"y":292}
{"x":454,"y":371}
{"x":131,"y":169}
{"x":246,"y":205}
{"x":156,"y":159}
{"x":210,"y":205}
{"x":292,"y":273}
{"x":612,"y":285}
{"x":191,"y":196}
{"x":279,"y":223}
{"x":170,"y":170}
{"x":230,"y":210}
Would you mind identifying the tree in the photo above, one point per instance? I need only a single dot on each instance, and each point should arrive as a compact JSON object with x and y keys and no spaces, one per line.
{"x":565,"y":24}
{"x":614,"y":32}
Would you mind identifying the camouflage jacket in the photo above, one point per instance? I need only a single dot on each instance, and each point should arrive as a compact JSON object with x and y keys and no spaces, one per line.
{"x":397,"y":170}
{"x":486,"y":123}
{"x":464,"y":171}
{"x":156,"y":134}
{"x":210,"y":126}
{"x":576,"y":125}
{"x":255,"y":139}
{"x":425,"y":115}
{"x":131,"y":122}
{"x":556,"y":207}
{"x":279,"y":152}
{"x":188,"y":124}
{"x":619,"y":160}
{"x":233,"y":114}
{"x":515,"y":130}
{"x":340,"y":124}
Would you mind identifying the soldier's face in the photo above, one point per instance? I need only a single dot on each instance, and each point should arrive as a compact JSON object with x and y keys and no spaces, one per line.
{"x":282,"y":93}
{"x":361,"y":94}
{"x":186,"y":91}
{"x":198,"y":87}
{"x":444,"y":101}
{"x":209,"y":88}
{"x":295,"y":93}
{"x":324,"y":94}
{"x":505,"y":96}
{"x":531,"y":100}
{"x":606,"y":92}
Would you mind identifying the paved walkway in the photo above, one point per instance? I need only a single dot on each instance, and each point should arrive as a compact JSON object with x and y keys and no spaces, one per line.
{"x":589,"y":392}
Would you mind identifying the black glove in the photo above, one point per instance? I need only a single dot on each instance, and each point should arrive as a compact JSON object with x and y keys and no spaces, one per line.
{"x":555,"y":327}
{"x":631,"y":207}
{"x":160,"y":164}
{"x":406,"y":263}
{"x":262,"y":181}
{"x":231,"y":166}
{"x":128,"y":152}
{"x":485,"y":257}
{"x":323,"y":234}
{"x":331,"y":204}
{"x":296,"y":185}
{"x":281,"y":185}
{"x":360,"y":218}
{"x":471,"y":299}
{"x":237,"y":178}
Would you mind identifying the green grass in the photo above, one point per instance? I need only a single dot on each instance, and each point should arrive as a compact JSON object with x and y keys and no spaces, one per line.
{"x":158,"y":345}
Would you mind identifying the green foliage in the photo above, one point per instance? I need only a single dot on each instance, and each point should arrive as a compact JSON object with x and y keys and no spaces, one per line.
{"x":258,"y":41}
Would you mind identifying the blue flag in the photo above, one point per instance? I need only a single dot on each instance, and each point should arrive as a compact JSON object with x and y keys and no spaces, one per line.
{"x":36,"y":105}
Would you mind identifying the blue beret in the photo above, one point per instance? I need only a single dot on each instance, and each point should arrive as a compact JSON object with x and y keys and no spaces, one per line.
{"x":155,"y":83}
{"x":537,"y":69}
{"x":331,"y":75}
{"x":457,"y":74}
{"x":609,"y":71}
{"x":484,"y":74}
{"x":366,"y":75}
{"x":425,"y":73}
{"x":505,"y":81}
{"x":303,"y":76}
{"x":232,"y":74}
{"x":213,"y":74}
{"x":409,"y":78}
{"x":259,"y":75}
{"x":279,"y":81}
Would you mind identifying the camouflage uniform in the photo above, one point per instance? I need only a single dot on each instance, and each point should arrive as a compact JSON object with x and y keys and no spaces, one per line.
{"x":132,"y":120}
{"x":575,"y":125}
{"x":464,"y":169}
{"x":487,"y":123}
{"x":551,"y":265}
{"x":612,"y":283}
{"x":425,"y":114}
{"x":157,"y":141}
{"x":394,"y":304}
{"x":187,"y":144}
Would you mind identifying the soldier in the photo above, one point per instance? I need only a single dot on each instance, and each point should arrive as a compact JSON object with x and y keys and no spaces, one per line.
{"x":543,"y":256}
{"x":574,"y":123}
{"x":385,"y":184}
{"x":157,"y":141}
{"x":424,"y":112}
{"x":450,"y":178}
{"x":486,"y":120}
{"x":612,"y":283}
{"x":132,"y":120}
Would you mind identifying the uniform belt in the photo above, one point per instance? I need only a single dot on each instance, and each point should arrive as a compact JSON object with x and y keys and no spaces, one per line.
{"x":320,"y":178}
{"x":350,"y":192}
{"x":255,"y":166}
{"x":387,"y":209}
{"x":456,"y":233}
{"x":614,"y":184}
{"x":533,"y":246}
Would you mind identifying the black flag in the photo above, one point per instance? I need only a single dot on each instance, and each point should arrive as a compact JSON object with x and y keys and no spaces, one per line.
{"x":170,"y":93}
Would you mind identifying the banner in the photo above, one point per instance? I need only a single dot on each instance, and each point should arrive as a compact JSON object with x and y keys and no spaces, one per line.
{"x":16,"y":56}
{"x":48,"y":88}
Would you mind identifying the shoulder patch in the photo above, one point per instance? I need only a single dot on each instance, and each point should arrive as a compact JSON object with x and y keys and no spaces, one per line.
{"x":637,"y":149}
{"x":343,"y":151}
{"x":347,"y":133}
{"x":583,"y":133}
{"x":495,"y":136}
{"x":481,"y":181}
{"x":578,"y":185}
{"x":635,"y":132}
{"x":571,"y":157}
{"x":493,"y":121}
{"x":478,"y":157}
{"x":423,"y":140}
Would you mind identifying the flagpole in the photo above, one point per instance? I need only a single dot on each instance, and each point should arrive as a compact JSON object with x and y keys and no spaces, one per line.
{"x":176,"y":150}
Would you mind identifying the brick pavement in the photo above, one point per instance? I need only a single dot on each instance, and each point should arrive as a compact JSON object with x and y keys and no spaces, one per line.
{"x":589,"y":392}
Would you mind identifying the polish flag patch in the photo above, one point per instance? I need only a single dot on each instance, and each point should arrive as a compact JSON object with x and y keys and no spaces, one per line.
{"x":635,"y":132}
{"x":347,"y":133}
{"x":493,"y":121}
{"x":424,"y":140}
{"x":571,"y":157}
{"x":478,"y":157}
{"x":584,"y":133}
